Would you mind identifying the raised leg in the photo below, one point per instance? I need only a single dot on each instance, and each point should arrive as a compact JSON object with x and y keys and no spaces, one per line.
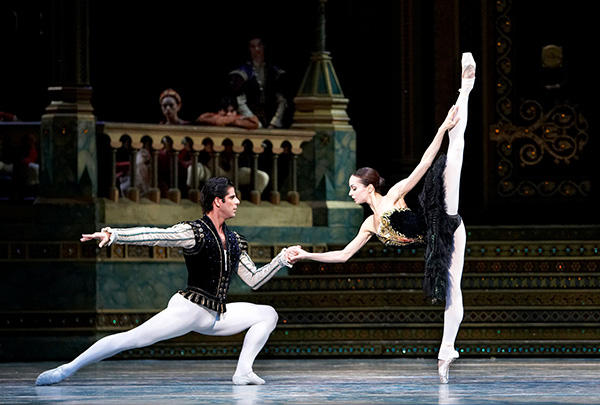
{"x":456,"y":137}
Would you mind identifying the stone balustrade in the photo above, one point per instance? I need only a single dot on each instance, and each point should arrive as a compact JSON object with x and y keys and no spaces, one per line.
{"x":215,"y":144}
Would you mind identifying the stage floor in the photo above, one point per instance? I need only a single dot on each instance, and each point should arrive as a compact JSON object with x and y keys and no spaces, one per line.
{"x":341,"y":381}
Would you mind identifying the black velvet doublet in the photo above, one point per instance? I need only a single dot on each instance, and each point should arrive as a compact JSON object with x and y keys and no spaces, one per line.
{"x":209,"y":269}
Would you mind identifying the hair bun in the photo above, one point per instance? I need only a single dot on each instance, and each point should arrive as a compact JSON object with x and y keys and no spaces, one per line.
{"x":368,"y":175}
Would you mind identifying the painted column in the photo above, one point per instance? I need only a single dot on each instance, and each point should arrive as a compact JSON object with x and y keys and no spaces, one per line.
{"x":68,"y":126}
{"x":330,"y":158}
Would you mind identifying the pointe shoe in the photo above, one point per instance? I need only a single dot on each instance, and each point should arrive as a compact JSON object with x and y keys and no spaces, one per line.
{"x":248,"y":379}
{"x":468,"y":66}
{"x":468,"y":71}
{"x":444,"y":367}
{"x":53,"y":376}
{"x":444,"y":370}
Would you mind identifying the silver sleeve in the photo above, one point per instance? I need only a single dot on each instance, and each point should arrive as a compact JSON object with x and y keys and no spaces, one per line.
{"x":254,"y":277}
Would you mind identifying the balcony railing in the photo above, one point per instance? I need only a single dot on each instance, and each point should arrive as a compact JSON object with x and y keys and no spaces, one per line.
{"x":261,"y":163}
{"x":269,"y":160}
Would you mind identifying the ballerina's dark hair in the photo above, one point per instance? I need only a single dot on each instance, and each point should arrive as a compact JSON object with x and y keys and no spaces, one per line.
{"x":368,"y":176}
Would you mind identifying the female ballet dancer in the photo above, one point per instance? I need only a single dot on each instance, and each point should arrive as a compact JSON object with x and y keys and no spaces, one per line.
{"x":395,"y":224}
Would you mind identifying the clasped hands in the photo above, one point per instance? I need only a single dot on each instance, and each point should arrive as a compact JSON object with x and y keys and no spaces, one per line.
{"x":294,"y":254}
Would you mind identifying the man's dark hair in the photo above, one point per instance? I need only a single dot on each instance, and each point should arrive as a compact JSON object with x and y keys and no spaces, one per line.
{"x":215,"y":187}
{"x":256,"y":35}
{"x":227,"y":101}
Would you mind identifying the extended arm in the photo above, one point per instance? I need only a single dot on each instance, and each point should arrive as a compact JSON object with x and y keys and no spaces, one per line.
{"x":254,"y":277}
{"x":400,"y":189}
{"x":341,"y":256}
{"x":179,"y":235}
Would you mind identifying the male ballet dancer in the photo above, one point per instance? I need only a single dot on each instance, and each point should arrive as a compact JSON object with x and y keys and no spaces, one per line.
{"x":212,"y":253}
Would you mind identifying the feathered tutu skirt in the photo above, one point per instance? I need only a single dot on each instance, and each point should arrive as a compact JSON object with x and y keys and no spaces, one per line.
{"x":439,"y":232}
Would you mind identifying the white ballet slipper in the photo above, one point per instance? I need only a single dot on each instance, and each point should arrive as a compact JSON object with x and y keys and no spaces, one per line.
{"x":53,"y":376}
{"x":248,"y":379}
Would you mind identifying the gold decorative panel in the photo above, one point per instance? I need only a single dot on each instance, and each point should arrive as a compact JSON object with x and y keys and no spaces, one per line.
{"x":538,"y":135}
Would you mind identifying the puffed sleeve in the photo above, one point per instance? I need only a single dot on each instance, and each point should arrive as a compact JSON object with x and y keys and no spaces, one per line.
{"x":254,"y":277}
{"x":178,"y":235}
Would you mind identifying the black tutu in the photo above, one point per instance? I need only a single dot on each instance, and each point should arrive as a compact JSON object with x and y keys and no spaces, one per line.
{"x":439,"y":236}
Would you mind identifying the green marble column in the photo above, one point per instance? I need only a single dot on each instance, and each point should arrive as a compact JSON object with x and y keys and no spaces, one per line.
{"x":49,"y":276}
{"x":68,"y":145}
{"x":330,"y":158}
{"x":68,"y":127}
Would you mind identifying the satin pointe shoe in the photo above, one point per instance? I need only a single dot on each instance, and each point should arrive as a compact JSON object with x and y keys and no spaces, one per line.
{"x":444,"y":370}
{"x":467,"y":72}
{"x":468,"y":66}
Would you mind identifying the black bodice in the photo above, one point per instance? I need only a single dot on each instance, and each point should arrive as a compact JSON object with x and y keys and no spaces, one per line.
{"x":399,"y":227}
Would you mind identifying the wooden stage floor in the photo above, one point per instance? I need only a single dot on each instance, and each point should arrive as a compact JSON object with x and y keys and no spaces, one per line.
{"x":321,"y":381}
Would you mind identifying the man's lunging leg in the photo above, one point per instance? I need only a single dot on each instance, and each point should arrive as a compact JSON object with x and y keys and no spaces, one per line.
{"x":260,"y":320}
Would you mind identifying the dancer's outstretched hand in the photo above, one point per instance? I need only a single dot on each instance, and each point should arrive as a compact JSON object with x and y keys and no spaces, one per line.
{"x":451,"y":119}
{"x":290,"y":252}
{"x":103,"y":237}
{"x":296,"y":253}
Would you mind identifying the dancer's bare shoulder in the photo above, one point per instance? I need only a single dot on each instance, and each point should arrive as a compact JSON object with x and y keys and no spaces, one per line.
{"x":395,"y":196}
{"x":369,"y":225}
{"x":392,"y":201}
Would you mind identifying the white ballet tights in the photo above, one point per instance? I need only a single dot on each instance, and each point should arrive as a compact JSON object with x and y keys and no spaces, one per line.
{"x":182,"y":316}
{"x":453,"y":314}
{"x":454,"y":159}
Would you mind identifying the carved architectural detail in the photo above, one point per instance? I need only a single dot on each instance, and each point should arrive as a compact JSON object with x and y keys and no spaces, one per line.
{"x":542,"y":140}
{"x":556,"y":137}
